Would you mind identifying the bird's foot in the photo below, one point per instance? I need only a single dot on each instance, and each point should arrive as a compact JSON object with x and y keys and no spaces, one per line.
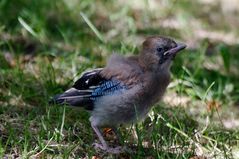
{"x":115,"y":150}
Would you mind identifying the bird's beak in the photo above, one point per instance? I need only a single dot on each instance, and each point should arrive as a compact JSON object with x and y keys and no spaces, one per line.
{"x":173,"y":51}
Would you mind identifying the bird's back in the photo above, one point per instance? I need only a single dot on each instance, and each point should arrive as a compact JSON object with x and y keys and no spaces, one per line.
{"x":125,"y":69}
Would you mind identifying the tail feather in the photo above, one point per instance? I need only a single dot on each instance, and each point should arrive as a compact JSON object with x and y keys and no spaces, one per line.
{"x":74,"y":97}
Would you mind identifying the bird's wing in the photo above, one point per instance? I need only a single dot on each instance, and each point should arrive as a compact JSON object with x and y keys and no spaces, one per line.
{"x":88,"y":79}
{"x":88,"y":88}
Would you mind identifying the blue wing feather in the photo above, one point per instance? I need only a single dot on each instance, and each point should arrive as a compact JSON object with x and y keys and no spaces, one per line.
{"x":109,"y":87}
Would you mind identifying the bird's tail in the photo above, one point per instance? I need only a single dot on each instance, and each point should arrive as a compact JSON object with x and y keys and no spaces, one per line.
{"x":74,"y":97}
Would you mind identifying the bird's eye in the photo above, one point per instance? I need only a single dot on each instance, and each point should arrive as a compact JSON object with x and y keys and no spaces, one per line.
{"x":159,"y":49}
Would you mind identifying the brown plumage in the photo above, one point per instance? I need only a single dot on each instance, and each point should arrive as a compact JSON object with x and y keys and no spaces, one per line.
{"x":126,"y":89}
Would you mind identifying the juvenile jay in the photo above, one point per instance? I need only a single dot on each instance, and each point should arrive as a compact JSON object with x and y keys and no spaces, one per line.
{"x":126,"y":89}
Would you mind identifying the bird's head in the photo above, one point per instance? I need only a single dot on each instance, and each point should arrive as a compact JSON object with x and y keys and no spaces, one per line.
{"x":158,"y":52}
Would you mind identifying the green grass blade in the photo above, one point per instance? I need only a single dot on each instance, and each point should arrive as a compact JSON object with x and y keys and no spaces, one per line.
{"x":207,"y":91}
{"x":27,"y":27}
{"x":93,"y":28}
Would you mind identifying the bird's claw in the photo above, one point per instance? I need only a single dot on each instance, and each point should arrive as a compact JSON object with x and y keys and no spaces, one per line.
{"x":115,"y":150}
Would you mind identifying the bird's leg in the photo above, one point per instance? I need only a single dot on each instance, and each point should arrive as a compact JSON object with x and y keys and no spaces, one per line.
{"x":103,"y":144}
{"x":100,"y":136}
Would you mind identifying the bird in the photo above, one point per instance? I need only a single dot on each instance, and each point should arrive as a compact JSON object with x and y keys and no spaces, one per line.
{"x":126,"y":89}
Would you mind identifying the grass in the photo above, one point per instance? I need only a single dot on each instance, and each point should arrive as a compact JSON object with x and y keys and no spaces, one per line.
{"x":46,"y":45}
